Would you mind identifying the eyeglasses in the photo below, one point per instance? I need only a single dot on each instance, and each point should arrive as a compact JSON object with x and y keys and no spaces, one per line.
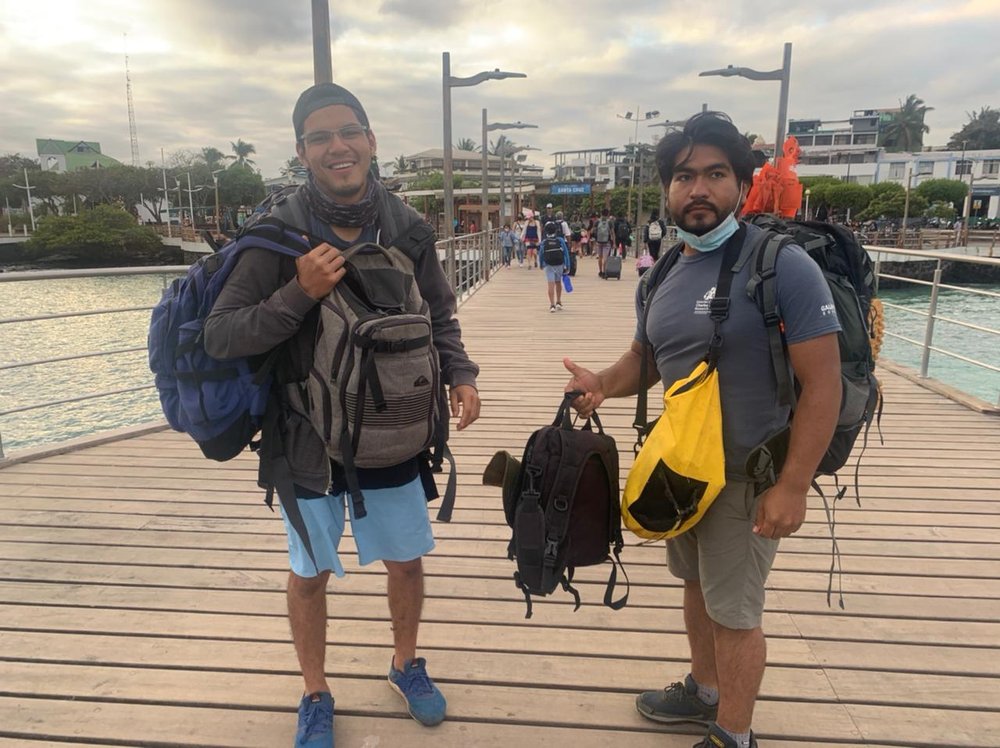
{"x":347,"y":133}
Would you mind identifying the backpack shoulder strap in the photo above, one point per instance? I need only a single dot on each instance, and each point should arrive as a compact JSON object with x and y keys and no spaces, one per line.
{"x":411,"y":239}
{"x":647,"y":287}
{"x":762,"y":289}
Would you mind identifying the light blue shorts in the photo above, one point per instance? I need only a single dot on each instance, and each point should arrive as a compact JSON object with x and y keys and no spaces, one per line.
{"x":396,"y":528}
{"x":553,"y":273}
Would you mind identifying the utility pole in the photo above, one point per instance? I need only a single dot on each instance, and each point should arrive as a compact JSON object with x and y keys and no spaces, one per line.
{"x":27,"y":187}
{"x":166,"y":194}
{"x":133,"y":138}
{"x":322,"y":57}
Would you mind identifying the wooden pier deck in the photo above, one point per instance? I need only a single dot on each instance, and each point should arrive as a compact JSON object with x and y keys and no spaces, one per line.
{"x":141,"y":588}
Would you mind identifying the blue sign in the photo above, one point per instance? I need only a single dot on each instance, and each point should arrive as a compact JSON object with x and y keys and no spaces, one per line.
{"x":569,"y":189}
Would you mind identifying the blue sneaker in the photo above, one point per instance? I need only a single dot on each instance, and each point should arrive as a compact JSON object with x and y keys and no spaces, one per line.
{"x":315,"y":721}
{"x":424,"y":701}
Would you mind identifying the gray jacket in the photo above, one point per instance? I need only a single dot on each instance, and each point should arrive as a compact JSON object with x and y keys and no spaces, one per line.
{"x":262,"y":305}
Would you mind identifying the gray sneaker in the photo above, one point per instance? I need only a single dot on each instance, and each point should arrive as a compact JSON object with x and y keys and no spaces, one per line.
{"x":717,"y":738}
{"x":678,"y":702}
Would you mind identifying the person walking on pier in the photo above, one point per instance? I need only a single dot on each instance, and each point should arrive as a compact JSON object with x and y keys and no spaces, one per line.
{"x":553,"y":255}
{"x":724,"y":560}
{"x":271,"y":300}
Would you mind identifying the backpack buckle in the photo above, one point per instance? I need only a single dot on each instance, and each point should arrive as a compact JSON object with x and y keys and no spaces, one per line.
{"x":771,"y":318}
{"x":718,"y":308}
{"x":551,"y":551}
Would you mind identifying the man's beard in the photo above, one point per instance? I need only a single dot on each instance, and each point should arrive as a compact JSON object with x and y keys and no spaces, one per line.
{"x":697,"y":228}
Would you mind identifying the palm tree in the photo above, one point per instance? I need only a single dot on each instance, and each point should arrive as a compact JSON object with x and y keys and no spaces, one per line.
{"x":981,"y":132}
{"x":502,"y":146}
{"x":905,"y":131}
{"x":212,"y":157}
{"x":466,"y":144}
{"x":242,"y":152}
{"x":401,"y":163}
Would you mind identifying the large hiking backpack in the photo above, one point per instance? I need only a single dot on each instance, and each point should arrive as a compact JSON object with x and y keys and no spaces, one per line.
{"x":563,"y":507}
{"x":373,"y":393}
{"x":848,"y":271}
{"x":603,"y":231}
{"x":552,"y":251}
{"x":220,"y":404}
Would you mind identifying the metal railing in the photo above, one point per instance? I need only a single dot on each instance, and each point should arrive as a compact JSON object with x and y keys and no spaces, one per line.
{"x":931,"y":315}
{"x":469,"y":260}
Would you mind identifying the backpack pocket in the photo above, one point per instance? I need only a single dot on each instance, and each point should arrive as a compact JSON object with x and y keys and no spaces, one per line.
{"x":390,"y":399}
{"x":529,"y":547}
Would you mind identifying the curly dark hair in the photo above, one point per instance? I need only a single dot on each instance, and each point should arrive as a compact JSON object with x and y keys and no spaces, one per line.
{"x":706,"y":128}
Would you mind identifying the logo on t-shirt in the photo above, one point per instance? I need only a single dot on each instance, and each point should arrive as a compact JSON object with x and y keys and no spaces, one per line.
{"x":828,"y":310}
{"x":703,"y":305}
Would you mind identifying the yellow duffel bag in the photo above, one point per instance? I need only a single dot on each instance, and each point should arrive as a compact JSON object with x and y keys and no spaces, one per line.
{"x":681,"y":467}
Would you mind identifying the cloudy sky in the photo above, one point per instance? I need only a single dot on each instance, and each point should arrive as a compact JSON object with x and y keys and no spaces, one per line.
{"x":206,"y":72}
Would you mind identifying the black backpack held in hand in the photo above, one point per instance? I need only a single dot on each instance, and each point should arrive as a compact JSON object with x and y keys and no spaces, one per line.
{"x":562,"y":502}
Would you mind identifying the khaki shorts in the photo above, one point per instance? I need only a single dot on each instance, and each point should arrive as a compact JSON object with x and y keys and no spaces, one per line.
{"x":730,"y":561}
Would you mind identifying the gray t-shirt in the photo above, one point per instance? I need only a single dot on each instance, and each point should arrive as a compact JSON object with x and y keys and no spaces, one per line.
{"x":679,"y":330}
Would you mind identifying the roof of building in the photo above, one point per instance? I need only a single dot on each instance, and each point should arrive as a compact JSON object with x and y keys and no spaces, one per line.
{"x":78,"y":154}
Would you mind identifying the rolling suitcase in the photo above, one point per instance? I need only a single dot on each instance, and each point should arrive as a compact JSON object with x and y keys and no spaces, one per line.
{"x":613,"y":267}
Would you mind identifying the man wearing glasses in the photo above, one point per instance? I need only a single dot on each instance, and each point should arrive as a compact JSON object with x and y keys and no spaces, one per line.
{"x":269,"y":300}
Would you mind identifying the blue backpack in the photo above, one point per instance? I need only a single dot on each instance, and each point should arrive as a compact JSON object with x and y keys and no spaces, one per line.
{"x":220,"y":404}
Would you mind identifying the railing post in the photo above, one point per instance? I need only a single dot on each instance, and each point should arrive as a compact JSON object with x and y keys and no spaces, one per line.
{"x":484,"y":245}
{"x":925,"y":358}
{"x":2,"y":456}
{"x":449,"y":262}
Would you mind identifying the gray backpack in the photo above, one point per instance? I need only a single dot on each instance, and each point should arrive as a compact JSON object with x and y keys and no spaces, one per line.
{"x":373,"y":390}
{"x":603,"y":231}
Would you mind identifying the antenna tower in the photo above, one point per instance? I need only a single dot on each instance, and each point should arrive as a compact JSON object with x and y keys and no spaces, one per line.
{"x":131,"y":110}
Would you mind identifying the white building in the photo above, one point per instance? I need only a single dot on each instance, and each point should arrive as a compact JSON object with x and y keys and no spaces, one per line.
{"x":866,"y":164}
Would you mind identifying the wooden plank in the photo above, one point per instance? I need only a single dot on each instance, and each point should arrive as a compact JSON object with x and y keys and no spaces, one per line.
{"x":828,"y":625}
{"x":141,"y":586}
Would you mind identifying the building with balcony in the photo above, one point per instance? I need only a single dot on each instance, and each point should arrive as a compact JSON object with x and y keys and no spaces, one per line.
{"x":468,"y":165}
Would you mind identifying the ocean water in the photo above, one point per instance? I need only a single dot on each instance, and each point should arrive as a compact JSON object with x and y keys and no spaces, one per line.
{"x":30,"y":341}
{"x":980,"y":346}
{"x":66,"y":380}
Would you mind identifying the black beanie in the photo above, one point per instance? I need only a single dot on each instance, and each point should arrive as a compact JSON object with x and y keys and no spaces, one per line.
{"x":322,"y":95}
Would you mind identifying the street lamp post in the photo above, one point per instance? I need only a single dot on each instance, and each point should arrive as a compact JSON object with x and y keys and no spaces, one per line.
{"x":27,"y":188}
{"x":782,"y":74}
{"x":807,"y":193}
{"x":166,"y":194}
{"x":503,"y":159}
{"x":448,"y":82}
{"x":503,"y":153}
{"x":215,"y":179}
{"x":635,"y":151}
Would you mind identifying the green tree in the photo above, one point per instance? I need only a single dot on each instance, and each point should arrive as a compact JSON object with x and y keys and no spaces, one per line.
{"x":943,"y":190}
{"x":104,"y":234}
{"x":212,"y":157}
{"x":240,"y":185}
{"x":401,"y":163}
{"x":892,"y":204}
{"x":941,"y":210}
{"x":466,"y":144}
{"x":981,"y":132}
{"x":242,"y":152}
{"x":14,"y":164}
{"x":882,"y":189}
{"x":848,"y":196}
{"x":818,"y":187}
{"x":905,"y":131}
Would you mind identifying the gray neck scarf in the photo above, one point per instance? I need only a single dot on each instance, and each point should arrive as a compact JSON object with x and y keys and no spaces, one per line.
{"x":355,"y":215}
